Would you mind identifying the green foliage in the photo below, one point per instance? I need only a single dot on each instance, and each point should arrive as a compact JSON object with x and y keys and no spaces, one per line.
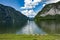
{"x":11,"y":18}
{"x":29,"y":37}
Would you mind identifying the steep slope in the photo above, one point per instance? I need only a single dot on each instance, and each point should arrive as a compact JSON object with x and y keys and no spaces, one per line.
{"x":11,"y":18}
{"x":50,"y":11}
{"x":48,"y":18}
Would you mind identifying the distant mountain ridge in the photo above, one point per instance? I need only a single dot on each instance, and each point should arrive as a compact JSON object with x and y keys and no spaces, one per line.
{"x":50,"y":11}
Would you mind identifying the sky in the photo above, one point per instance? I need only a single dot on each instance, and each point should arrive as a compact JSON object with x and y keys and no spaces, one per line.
{"x":30,"y":8}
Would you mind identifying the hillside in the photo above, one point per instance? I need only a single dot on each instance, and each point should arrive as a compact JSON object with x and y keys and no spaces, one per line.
{"x":10,"y":18}
{"x":50,"y":11}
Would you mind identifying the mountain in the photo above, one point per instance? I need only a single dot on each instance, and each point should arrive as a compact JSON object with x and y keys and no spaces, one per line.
{"x":50,"y":11}
{"x":9,"y":17}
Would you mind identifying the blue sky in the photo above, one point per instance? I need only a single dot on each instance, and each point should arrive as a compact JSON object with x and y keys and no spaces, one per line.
{"x":29,"y":8}
{"x":13,"y":3}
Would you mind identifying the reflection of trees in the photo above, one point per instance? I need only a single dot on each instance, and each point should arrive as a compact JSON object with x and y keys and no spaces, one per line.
{"x":51,"y":27}
{"x":10,"y":28}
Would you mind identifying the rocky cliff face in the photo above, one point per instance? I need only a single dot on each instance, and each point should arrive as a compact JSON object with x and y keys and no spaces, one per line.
{"x":10,"y":17}
{"x":50,"y":10}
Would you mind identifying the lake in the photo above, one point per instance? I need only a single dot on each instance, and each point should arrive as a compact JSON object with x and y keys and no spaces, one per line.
{"x":31,"y":27}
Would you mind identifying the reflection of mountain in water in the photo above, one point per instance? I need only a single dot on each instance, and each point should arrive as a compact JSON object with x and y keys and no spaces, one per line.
{"x":31,"y":28}
{"x":10,"y":19}
{"x":50,"y":26}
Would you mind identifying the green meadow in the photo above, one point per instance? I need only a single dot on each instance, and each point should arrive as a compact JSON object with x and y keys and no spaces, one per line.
{"x":28,"y":37}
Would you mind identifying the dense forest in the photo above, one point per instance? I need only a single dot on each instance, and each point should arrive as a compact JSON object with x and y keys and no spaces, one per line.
{"x":11,"y":18}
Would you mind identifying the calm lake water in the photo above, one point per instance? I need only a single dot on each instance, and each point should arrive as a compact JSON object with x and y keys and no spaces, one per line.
{"x":50,"y":26}
{"x":31,"y":28}
{"x":43,"y":27}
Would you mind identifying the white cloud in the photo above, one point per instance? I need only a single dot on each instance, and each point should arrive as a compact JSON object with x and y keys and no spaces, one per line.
{"x":25,"y":12}
{"x":51,"y":1}
{"x":44,"y":5}
{"x":29,"y":13}
{"x":29,"y":4}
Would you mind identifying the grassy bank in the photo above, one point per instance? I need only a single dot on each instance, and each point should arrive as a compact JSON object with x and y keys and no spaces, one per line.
{"x":28,"y":37}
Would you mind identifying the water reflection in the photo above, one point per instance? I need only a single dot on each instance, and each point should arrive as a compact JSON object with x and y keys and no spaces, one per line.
{"x":31,"y":28}
{"x":8,"y":28}
{"x":50,"y":26}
